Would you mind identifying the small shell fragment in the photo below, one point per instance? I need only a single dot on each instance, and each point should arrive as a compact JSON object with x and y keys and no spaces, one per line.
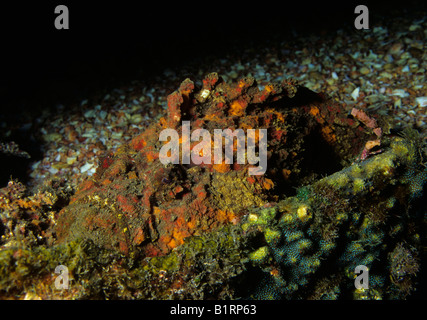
{"x":355,"y":93}
{"x":205,"y":93}
{"x":422,"y":101}
{"x":86,"y":167}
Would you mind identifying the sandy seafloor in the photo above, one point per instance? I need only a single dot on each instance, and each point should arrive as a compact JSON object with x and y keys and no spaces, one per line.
{"x":67,"y":99}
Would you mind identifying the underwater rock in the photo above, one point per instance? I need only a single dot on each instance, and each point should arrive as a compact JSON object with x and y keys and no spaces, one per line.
{"x":137,"y":205}
{"x":330,"y":200}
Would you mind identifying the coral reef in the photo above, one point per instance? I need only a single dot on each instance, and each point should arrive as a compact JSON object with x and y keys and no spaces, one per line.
{"x":332,"y":226}
{"x":330,"y":199}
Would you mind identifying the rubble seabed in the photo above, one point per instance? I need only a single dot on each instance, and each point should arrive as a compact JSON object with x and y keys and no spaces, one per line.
{"x":339,"y":191}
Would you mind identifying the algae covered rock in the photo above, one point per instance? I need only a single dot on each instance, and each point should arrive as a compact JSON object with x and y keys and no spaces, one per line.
{"x":337,"y":191}
{"x":137,"y":204}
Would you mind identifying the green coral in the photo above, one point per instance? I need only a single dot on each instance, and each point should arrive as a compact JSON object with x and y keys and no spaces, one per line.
{"x":335,"y":225}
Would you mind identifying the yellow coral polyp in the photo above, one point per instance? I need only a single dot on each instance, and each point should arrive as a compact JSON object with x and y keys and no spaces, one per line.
{"x":384,"y":165}
{"x":338,"y":180}
{"x":287,"y":218}
{"x":341,"y":216}
{"x":303,"y":213}
{"x":252,"y":218}
{"x":387,"y":171}
{"x":259,"y":255}
{"x":356,"y":171}
{"x":358,"y":185}
{"x":400,"y":148}
{"x":387,"y":165}
{"x":365,"y":223}
{"x":305,"y":243}
{"x":271,"y":235}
